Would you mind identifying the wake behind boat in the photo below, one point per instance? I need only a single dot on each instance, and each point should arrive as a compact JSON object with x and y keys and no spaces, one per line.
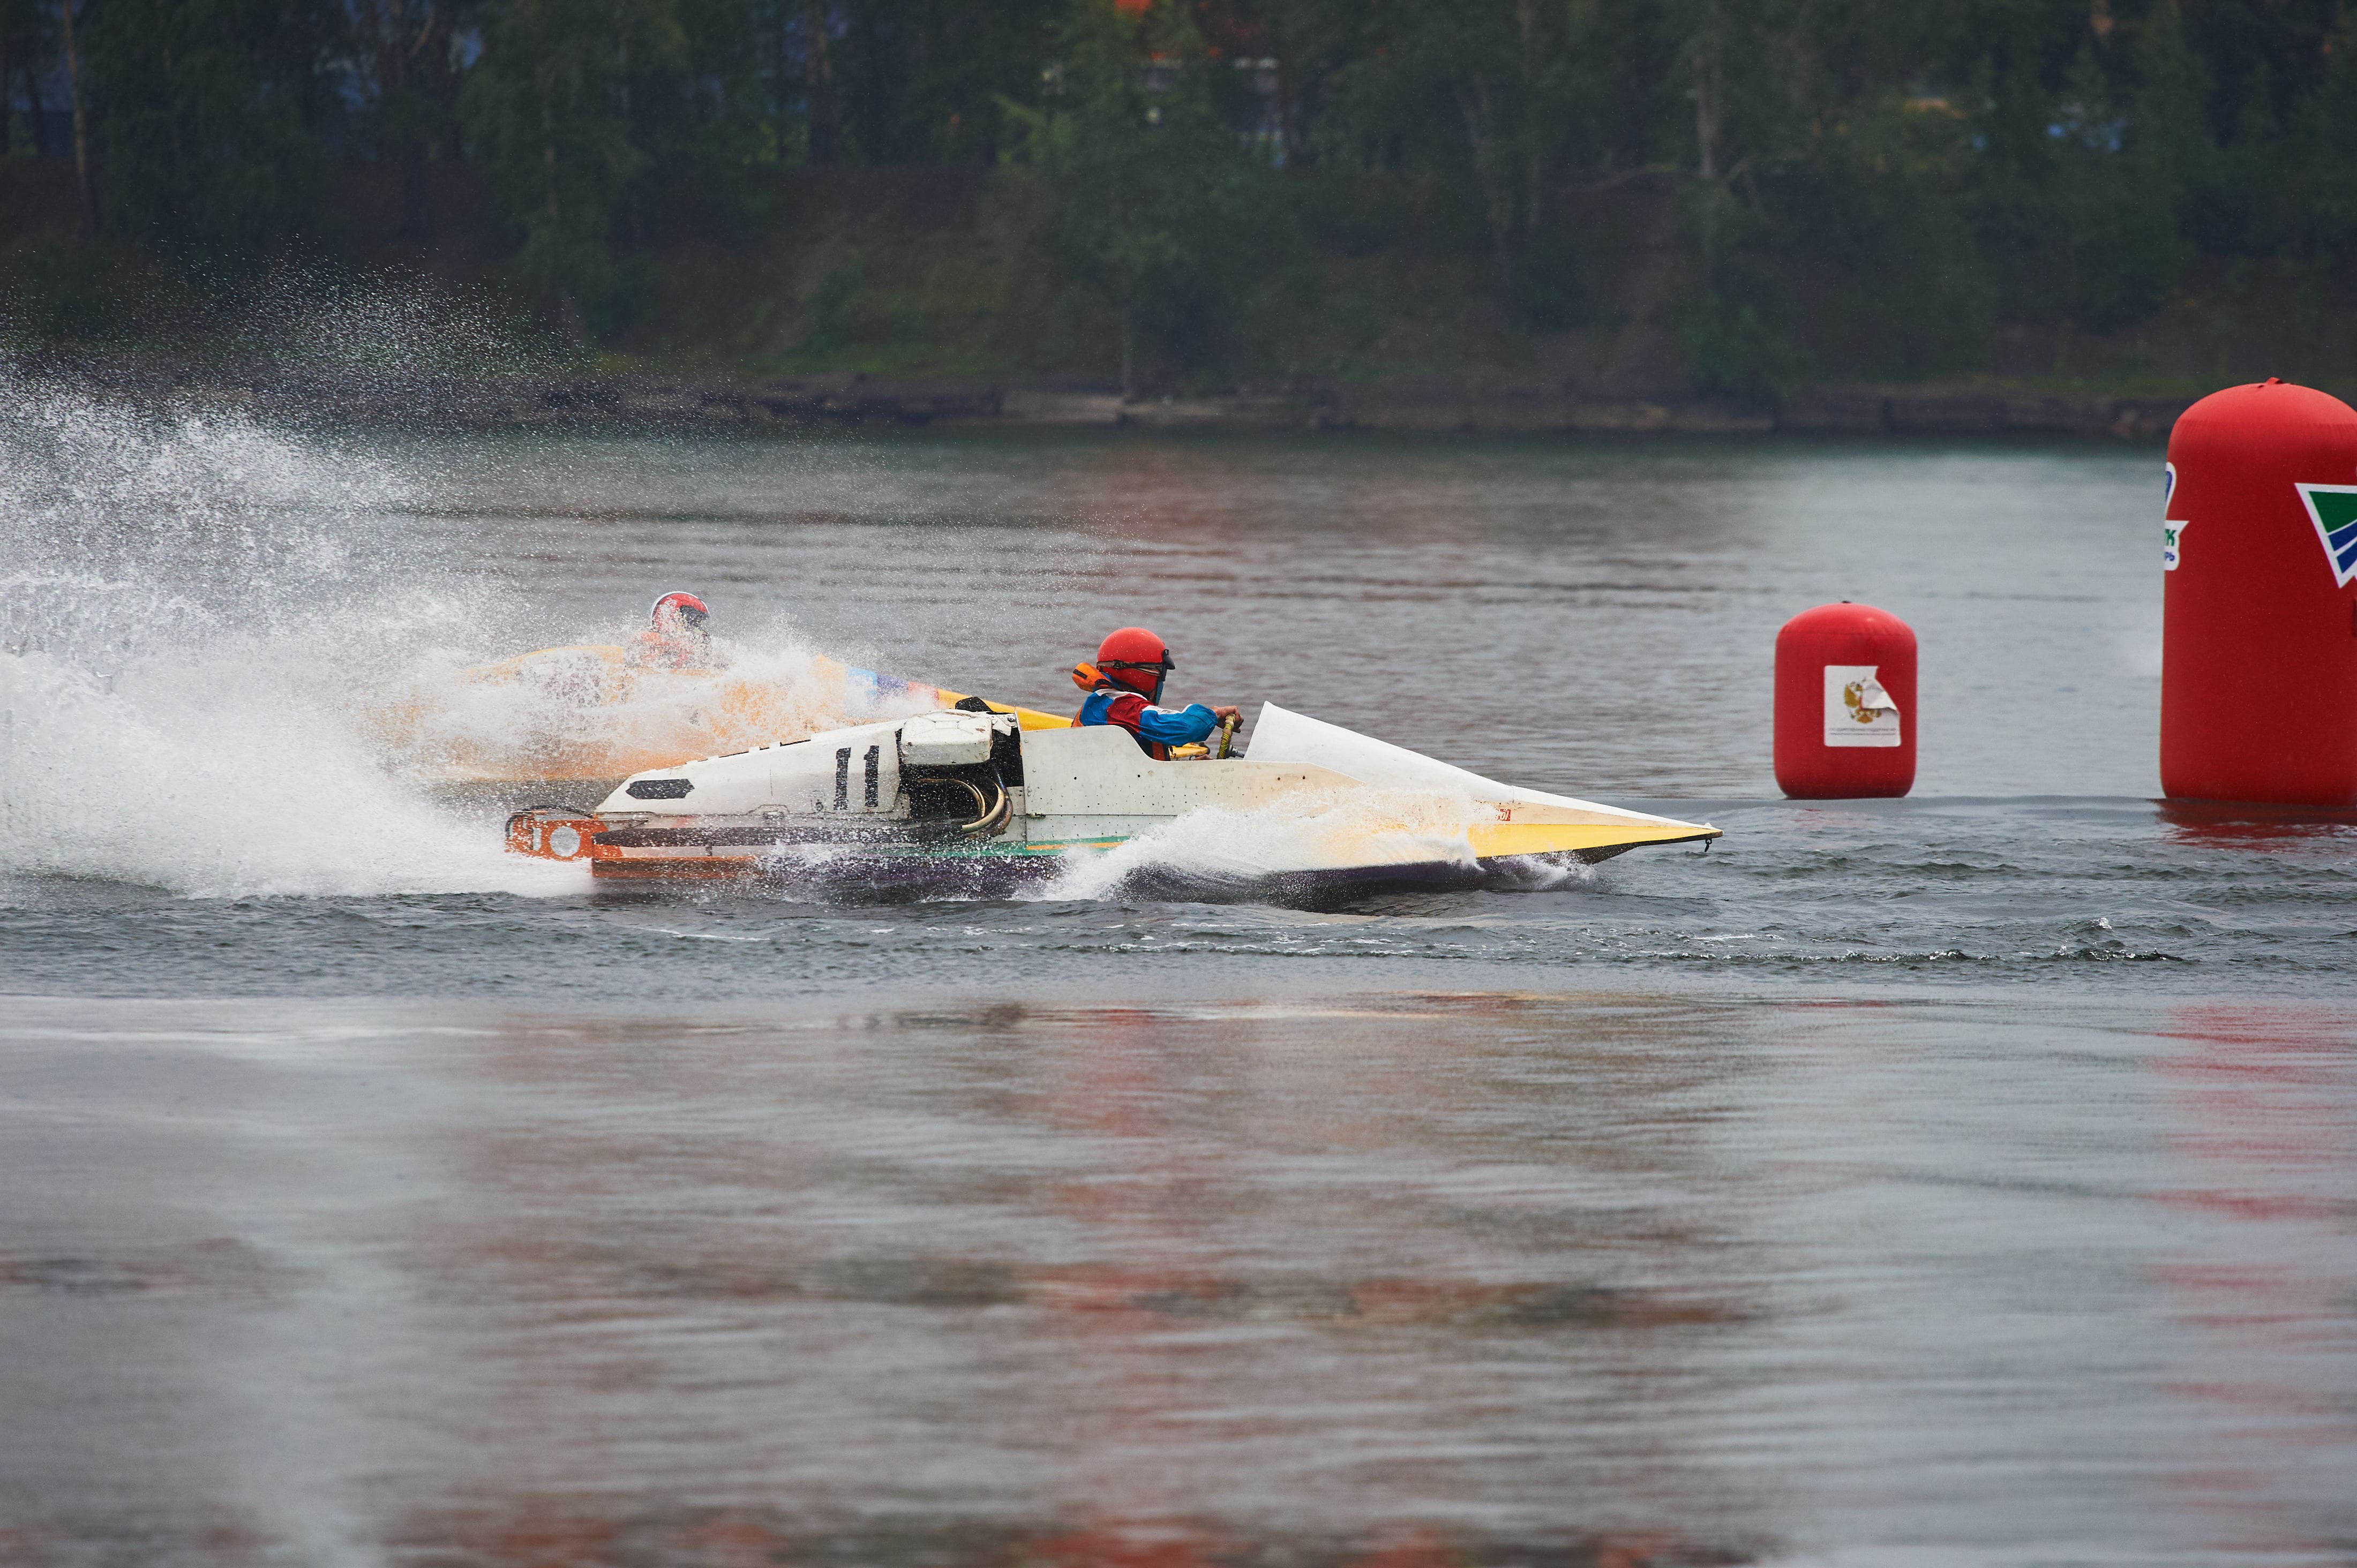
{"x":967,"y":797}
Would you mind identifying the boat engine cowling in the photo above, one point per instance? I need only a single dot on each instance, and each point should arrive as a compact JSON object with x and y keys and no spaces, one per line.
{"x":957,"y":766}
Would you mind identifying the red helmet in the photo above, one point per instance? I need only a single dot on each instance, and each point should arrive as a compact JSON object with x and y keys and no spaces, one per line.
{"x":1137,"y":658}
{"x":675,"y":613}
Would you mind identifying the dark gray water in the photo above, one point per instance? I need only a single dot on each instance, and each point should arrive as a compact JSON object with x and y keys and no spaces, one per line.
{"x":1957,"y":1180}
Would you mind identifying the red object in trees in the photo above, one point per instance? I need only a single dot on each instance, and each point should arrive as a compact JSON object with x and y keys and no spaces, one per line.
{"x":2258,"y":663}
{"x":1845,"y":704}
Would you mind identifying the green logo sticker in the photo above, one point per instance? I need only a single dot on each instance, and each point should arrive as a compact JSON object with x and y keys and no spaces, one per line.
{"x":2333,"y":510}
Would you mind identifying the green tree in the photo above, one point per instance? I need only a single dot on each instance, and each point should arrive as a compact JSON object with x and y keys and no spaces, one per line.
{"x":1141,"y":192}
{"x":554,"y":107}
{"x":1511,"y":94}
{"x":2113,"y":206}
{"x":407,"y":74}
{"x":212,"y":115}
{"x":701,"y":123}
{"x":2326,"y":139}
{"x":2170,"y":159}
{"x":1878,"y":239}
{"x":919,"y":81}
{"x":28,"y":44}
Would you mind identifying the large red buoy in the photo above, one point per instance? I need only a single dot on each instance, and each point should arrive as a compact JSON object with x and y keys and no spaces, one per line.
{"x":2258,"y":661}
{"x":1845,"y":704}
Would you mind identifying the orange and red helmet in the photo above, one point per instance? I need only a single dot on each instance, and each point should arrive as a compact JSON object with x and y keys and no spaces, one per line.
{"x":1133,"y":658}
{"x":677,"y":614}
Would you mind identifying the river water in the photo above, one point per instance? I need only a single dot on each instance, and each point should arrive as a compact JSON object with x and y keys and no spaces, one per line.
{"x":1967,"y":1179}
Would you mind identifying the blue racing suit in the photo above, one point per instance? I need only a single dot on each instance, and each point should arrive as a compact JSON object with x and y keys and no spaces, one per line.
{"x":1156,"y":729}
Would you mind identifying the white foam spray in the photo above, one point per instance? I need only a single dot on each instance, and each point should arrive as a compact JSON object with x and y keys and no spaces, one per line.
{"x":186,"y":602}
{"x":589,"y":710}
{"x":231,"y":664}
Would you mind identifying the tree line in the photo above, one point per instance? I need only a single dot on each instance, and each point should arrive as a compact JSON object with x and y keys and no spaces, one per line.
{"x":1935,"y":166}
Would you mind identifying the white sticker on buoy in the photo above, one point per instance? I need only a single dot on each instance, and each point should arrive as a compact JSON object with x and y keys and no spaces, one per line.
{"x":1859,"y":712}
{"x":2173,"y":529}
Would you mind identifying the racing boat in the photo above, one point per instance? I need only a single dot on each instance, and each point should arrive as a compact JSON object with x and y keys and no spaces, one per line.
{"x":969,"y":798}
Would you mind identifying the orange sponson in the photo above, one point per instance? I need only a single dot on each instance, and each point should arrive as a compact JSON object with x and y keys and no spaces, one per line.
{"x":553,"y":834}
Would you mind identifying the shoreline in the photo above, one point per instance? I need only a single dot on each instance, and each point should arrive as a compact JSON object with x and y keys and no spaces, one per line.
{"x":637,"y":400}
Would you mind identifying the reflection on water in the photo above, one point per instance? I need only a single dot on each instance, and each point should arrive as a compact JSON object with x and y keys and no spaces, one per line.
{"x":2244,"y":824}
{"x":2263,"y":1129}
{"x":1274,"y":1278}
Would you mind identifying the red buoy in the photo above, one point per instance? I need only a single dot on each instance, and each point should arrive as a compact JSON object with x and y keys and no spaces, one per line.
{"x":1845,"y":704}
{"x":2258,"y":661}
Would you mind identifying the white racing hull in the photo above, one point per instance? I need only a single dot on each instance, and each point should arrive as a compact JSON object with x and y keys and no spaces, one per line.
{"x":969,"y":800}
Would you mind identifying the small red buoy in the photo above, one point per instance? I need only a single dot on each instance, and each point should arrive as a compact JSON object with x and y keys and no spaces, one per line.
{"x":1845,"y":704}
{"x":2258,"y":661}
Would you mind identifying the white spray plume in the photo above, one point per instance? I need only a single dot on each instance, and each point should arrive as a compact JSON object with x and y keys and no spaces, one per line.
{"x":187,"y":603}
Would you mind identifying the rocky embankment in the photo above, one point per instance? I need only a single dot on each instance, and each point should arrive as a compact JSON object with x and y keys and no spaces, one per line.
{"x":1426,"y":403}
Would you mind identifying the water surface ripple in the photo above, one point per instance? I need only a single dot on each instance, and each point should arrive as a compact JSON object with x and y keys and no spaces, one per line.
{"x":1965,"y":1179}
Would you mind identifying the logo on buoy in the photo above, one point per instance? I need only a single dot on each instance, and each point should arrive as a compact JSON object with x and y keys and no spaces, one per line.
{"x":2333,"y":510}
{"x":1858,"y":711}
{"x":2171,"y":551}
{"x":2173,"y":529}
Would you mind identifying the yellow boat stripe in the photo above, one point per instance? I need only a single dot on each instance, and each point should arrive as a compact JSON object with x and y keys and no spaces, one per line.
{"x":1026,"y":718}
{"x":1492,"y":841}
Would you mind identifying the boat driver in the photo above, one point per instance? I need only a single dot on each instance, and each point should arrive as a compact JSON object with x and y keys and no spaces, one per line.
{"x":677,"y":638}
{"x":1126,"y":683}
